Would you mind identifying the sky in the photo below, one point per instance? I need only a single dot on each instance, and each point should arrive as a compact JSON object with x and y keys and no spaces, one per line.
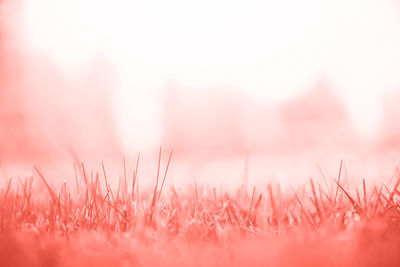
{"x":261,"y":51}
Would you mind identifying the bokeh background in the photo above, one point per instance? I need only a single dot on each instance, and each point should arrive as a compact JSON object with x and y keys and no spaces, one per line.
{"x":272,"y":90}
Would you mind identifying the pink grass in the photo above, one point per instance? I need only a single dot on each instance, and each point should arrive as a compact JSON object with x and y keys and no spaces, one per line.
{"x":299,"y":229}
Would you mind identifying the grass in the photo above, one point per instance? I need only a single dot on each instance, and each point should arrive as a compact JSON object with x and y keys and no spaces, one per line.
{"x":91,"y":224}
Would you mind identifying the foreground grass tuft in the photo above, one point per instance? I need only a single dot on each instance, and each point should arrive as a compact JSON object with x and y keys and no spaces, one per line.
{"x":94,"y":224}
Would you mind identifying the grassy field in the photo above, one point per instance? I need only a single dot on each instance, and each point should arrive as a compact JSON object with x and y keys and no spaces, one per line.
{"x":89,"y":223}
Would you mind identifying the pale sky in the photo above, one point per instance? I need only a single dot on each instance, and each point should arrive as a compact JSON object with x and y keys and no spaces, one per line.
{"x":270,"y":50}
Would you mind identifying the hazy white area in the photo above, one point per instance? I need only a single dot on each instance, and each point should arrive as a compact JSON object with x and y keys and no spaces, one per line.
{"x":271,"y":50}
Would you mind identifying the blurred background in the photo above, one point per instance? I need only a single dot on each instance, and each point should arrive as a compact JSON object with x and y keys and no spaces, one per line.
{"x":267,"y":89}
